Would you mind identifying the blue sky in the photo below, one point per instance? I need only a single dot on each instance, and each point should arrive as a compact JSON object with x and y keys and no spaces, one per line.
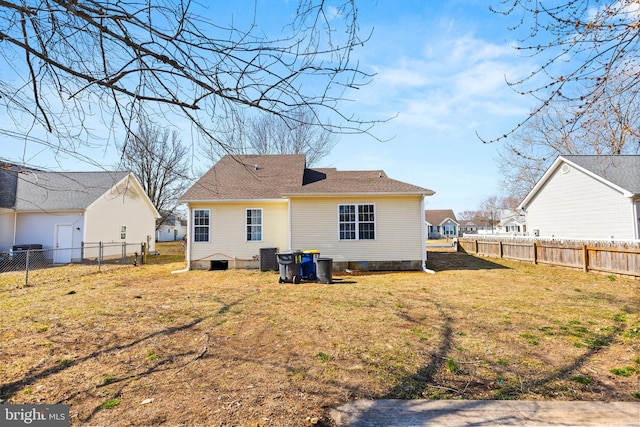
{"x":440,"y":69}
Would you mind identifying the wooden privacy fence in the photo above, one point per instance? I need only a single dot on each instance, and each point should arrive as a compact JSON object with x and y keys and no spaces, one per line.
{"x":572,"y":254}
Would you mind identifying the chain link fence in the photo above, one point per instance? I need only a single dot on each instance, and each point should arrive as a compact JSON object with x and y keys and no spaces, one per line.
{"x":25,"y":259}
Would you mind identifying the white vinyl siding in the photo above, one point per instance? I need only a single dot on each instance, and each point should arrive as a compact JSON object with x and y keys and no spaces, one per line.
{"x":576,"y":205}
{"x":103,"y":218}
{"x":6,"y":229}
{"x":399,"y":221}
{"x":228,"y":230}
{"x":40,"y":228}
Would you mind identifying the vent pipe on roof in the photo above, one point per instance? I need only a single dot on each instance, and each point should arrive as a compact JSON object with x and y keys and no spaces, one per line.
{"x":255,"y":167}
{"x":379,"y":174}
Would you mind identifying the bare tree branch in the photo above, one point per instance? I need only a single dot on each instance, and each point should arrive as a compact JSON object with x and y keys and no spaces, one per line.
{"x":589,"y":52}
{"x":611,"y":126}
{"x":158,"y":159}
{"x":300,"y":133}
{"x":72,"y":62}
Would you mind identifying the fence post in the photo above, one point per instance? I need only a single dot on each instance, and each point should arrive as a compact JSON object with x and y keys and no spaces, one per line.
{"x":81,"y":252}
{"x":535,"y":253}
{"x":143,"y":248}
{"x":26,"y":269}
{"x":99,"y":255}
{"x":124,"y":253}
{"x":476,"y":246}
{"x":585,"y":251}
{"x":500,"y":249}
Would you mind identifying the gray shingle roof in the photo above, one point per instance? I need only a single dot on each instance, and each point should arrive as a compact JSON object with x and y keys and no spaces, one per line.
{"x":50,"y":191}
{"x":623,"y":171}
{"x":276,"y":176}
{"x":248,"y":177}
{"x":8,"y":185}
{"x":438,"y":216}
{"x":332,"y":181}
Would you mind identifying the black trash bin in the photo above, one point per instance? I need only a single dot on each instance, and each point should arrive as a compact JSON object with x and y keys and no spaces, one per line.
{"x":289,"y":266}
{"x":325,"y":270}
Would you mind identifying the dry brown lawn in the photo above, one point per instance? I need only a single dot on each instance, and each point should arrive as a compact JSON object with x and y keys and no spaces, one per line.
{"x":141,"y":346}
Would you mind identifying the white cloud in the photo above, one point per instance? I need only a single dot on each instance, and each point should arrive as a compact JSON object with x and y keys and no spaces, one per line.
{"x":452,"y":80}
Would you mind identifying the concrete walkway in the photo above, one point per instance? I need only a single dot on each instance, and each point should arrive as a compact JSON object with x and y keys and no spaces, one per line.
{"x":453,"y":413}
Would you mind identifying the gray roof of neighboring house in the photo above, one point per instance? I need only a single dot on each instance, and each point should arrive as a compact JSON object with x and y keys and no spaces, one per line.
{"x":273,"y":176}
{"x":623,"y":171}
{"x":8,"y":185}
{"x":438,"y":216}
{"x":50,"y":191}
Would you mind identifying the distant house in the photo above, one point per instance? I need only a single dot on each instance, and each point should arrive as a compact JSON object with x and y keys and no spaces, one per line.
{"x":511,"y":222}
{"x":247,"y":203}
{"x":171,"y":229}
{"x":586,"y":197}
{"x":63,"y":209}
{"x":441,"y":224}
{"x":467,"y":226}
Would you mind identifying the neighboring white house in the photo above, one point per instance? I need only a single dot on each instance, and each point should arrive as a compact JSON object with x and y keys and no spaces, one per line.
{"x":171,"y":229}
{"x":246,"y":203}
{"x":468,"y":226}
{"x":441,"y":224}
{"x":511,"y":222}
{"x":64,"y":209}
{"x":586,"y":197}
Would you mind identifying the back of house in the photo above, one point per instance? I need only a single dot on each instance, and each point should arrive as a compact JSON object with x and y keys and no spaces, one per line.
{"x":247,"y":203}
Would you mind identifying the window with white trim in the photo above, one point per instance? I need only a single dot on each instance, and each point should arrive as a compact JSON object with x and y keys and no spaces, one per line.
{"x":357,"y":222}
{"x":201,"y":224}
{"x":123,"y":232}
{"x":254,"y":225}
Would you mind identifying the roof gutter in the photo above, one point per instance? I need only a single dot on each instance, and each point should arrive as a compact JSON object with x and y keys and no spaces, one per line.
{"x":359,"y":194}
{"x":209,"y":201}
{"x":635,"y":209}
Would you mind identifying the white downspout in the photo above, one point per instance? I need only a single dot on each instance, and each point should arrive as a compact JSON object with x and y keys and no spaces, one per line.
{"x":15,"y":227}
{"x":636,"y":217}
{"x":424,"y":238}
{"x":290,"y":226}
{"x":188,"y":252}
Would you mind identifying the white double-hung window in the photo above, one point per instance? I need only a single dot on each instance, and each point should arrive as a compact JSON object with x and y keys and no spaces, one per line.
{"x":254,"y":225}
{"x":357,"y":222}
{"x":201,"y":225}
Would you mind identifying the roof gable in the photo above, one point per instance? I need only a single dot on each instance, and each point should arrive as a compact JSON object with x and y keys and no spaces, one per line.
{"x":50,"y":191}
{"x":621,"y":172}
{"x":439,"y":216}
{"x":248,"y":177}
